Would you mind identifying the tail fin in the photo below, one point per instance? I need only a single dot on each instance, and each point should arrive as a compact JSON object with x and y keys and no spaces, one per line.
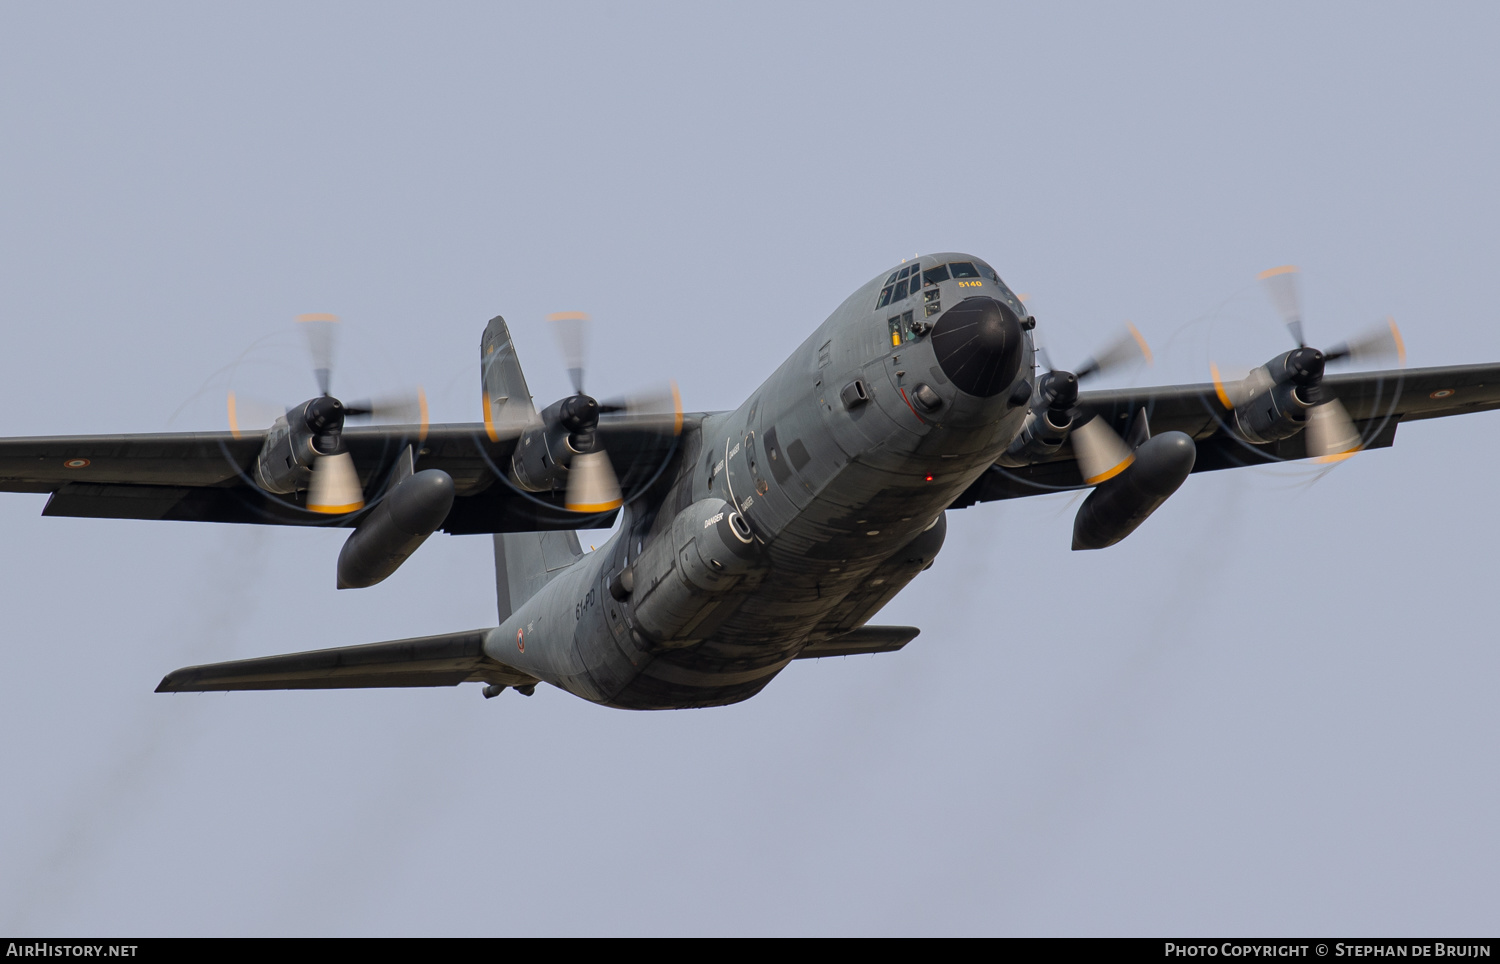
{"x":527,"y":561}
{"x":524,"y":561}
{"x":507,"y":401}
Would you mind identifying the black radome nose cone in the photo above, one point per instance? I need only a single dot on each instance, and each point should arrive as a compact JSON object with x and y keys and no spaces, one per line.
{"x":978,"y":344}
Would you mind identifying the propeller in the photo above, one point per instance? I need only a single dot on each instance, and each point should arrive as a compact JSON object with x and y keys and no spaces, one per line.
{"x":1101,"y":453}
{"x":321,"y":332}
{"x":1331,"y":433}
{"x":592,"y":484}
{"x":334,"y":487}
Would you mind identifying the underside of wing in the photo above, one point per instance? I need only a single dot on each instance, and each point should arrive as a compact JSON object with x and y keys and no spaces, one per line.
{"x":1376,"y":402}
{"x":444,"y":660}
{"x":210,"y":477}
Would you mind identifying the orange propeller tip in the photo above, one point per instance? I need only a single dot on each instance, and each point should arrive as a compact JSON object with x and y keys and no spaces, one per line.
{"x":595,"y":507}
{"x":336,"y":509}
{"x":1273,"y":272}
{"x":1224,"y":399}
{"x":318,"y":317}
{"x":568,"y":316}
{"x":1400,"y":342}
{"x":1140,"y":340}
{"x":1113,"y":471}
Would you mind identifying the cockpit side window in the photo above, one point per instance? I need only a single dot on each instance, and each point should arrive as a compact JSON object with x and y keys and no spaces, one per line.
{"x":907,"y":280}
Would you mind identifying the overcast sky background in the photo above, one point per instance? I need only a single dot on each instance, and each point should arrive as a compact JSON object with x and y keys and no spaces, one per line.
{"x":1270,"y":711}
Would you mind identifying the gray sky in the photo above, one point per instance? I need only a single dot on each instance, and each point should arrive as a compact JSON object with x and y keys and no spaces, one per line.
{"x":1269,"y":711}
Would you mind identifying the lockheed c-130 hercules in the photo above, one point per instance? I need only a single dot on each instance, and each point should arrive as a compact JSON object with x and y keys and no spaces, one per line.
{"x":746,"y":539}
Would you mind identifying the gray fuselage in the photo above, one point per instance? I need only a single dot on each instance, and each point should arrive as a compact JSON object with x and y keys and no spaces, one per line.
{"x":841,"y":475}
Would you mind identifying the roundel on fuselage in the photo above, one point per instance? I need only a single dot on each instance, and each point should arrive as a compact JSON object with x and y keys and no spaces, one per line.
{"x":979,"y":344}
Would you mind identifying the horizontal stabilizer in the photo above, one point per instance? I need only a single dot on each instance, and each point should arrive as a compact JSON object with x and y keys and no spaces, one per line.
{"x":445,"y":660}
{"x":865,"y":639}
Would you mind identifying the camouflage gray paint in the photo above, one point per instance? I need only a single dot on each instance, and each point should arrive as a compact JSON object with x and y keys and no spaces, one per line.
{"x":843,"y":494}
{"x":749,"y":538}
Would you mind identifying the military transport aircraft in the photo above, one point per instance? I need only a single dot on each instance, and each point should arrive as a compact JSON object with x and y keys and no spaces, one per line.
{"x":749,"y":538}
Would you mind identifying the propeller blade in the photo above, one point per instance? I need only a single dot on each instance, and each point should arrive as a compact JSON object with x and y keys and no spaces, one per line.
{"x":1102,"y":454}
{"x":251,"y":416}
{"x":335,"y":487}
{"x":402,"y":407}
{"x":1379,"y":343}
{"x":1284,"y":289}
{"x":1331,"y":435}
{"x":663,"y":401}
{"x":1127,"y":348}
{"x":321,"y":332}
{"x":592,"y":486}
{"x":407,"y":408}
{"x":570,"y":330}
{"x":1235,"y":388}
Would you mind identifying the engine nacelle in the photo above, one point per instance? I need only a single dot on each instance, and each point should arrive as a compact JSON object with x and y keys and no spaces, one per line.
{"x":1277,"y":413}
{"x":546,"y":449}
{"x":1039,"y":439}
{"x":1116,"y":508}
{"x":394,"y":529}
{"x":298,"y":438}
{"x":1047,"y":422}
{"x":681,"y":577}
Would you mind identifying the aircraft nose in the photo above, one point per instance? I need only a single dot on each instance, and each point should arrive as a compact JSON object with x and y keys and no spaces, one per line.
{"x":979,"y":343}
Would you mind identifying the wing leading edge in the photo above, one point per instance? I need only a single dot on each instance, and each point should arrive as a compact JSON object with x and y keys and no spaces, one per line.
{"x":444,"y":660}
{"x":208,"y":477}
{"x":1376,"y":401}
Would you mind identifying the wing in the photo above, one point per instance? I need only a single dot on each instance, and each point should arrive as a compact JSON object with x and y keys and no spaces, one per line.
{"x":445,"y":660}
{"x":865,"y":639}
{"x":208,"y":477}
{"x":1376,"y":401}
